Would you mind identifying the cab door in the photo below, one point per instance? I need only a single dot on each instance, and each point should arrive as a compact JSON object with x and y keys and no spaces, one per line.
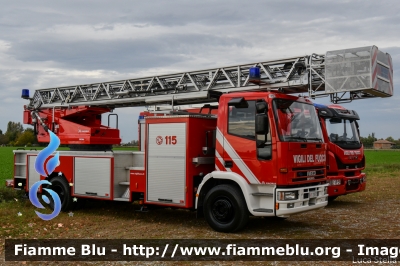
{"x":245,"y":152}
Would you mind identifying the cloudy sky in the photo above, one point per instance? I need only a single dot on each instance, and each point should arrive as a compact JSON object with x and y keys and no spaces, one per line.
{"x":53,"y":43}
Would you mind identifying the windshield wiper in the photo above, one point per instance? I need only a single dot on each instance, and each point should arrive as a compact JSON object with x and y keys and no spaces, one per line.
{"x":346,"y":141}
{"x":319,"y":140}
{"x":296,"y":137}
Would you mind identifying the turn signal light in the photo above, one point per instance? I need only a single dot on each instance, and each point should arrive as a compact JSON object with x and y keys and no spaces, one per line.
{"x":283,"y":170}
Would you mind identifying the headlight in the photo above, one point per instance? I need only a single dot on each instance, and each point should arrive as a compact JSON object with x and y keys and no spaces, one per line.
{"x":288,"y":195}
{"x":335,"y":182}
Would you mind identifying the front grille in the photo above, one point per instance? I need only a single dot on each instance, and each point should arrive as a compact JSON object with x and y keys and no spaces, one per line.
{"x":349,"y":165}
{"x":308,"y":173}
{"x":307,"y":178}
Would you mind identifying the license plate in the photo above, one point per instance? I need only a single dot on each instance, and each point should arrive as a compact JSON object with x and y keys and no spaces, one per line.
{"x":313,"y":194}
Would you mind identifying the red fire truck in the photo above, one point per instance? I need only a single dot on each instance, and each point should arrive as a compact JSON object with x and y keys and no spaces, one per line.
{"x":256,"y":157}
{"x":345,"y":154}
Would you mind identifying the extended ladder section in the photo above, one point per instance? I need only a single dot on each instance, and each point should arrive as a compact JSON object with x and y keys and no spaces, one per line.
{"x":344,"y":75}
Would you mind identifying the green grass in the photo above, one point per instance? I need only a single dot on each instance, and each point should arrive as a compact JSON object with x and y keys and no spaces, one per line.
{"x":382,"y":161}
{"x":125,"y":148}
{"x":382,"y":156}
{"x":6,"y":163}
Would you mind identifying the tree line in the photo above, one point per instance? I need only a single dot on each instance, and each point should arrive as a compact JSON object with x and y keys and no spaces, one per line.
{"x":16,"y":135}
{"x":369,"y":141}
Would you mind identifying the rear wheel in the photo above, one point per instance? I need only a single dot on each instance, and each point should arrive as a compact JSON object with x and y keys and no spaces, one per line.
{"x":225,"y":208}
{"x":61,"y":187}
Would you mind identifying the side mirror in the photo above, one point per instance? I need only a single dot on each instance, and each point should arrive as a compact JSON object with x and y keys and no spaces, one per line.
{"x":261,"y":107}
{"x":262,"y":124}
{"x":238,"y":103}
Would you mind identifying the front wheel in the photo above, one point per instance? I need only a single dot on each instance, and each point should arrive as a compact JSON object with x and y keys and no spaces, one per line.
{"x":225,"y":208}
{"x":332,"y":198}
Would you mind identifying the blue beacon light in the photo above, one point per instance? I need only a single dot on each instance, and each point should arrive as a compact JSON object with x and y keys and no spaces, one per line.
{"x":25,"y":94}
{"x":254,"y":75}
{"x":318,"y":105}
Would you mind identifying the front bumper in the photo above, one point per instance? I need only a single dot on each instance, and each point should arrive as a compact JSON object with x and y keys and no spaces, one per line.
{"x":309,"y":198}
{"x":348,"y":185}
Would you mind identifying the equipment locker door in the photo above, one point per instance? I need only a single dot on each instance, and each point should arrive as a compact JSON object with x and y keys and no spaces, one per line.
{"x":92,"y":177}
{"x":166,"y":159}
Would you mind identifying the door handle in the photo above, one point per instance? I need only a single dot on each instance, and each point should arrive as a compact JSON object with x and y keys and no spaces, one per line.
{"x":228,"y":164}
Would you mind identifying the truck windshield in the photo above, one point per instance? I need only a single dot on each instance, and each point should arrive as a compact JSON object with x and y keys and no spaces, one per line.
{"x":343,"y":132}
{"x":297,"y":121}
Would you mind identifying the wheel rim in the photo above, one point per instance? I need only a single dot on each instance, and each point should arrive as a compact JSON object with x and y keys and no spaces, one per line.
{"x":222,"y":210}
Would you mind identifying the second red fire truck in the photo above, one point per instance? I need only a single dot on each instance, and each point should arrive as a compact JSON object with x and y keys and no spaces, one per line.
{"x":345,"y":153}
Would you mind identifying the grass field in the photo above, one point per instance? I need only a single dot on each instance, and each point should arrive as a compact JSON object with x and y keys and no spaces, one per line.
{"x":6,"y":164}
{"x":382,"y":161}
{"x":382,"y":156}
{"x":372,"y":214}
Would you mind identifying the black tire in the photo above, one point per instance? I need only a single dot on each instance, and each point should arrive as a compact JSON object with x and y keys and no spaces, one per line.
{"x":225,"y":209}
{"x":61,"y":187}
{"x":332,"y":198}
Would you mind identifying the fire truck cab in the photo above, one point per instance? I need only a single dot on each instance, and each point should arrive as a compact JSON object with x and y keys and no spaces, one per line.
{"x":345,"y":154}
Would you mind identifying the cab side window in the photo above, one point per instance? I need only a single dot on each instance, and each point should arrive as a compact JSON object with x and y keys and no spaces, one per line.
{"x":241,"y":121}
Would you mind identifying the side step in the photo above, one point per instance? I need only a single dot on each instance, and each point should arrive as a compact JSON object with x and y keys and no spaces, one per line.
{"x":260,"y":194}
{"x":263,"y":210}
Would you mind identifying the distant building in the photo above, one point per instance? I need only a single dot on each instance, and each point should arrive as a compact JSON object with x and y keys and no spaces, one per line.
{"x":383,"y":144}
